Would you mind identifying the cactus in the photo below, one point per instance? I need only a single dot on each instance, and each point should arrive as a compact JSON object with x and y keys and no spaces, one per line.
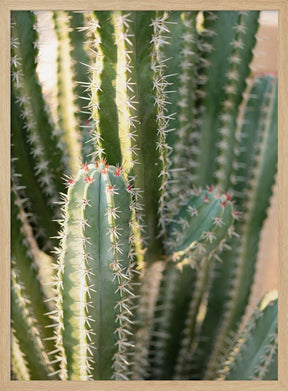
{"x":29,"y":306}
{"x":207,"y":220}
{"x":95,"y":271}
{"x":168,"y":149}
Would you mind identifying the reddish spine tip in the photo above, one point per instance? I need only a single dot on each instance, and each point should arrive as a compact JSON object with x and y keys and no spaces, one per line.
{"x":206,"y":199}
{"x":195,"y":190}
{"x":102,"y":161}
{"x":88,"y":179}
{"x":84,"y":167}
{"x":210,"y":189}
{"x":223,"y":204}
{"x":228,"y":196}
{"x":110,"y":189}
{"x":118,"y":171}
{"x":129,"y":188}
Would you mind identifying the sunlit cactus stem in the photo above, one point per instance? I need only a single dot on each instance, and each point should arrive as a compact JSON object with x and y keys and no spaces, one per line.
{"x":93,"y":281}
{"x":35,"y":143}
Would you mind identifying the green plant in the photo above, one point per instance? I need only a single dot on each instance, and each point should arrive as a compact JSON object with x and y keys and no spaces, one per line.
{"x":161,"y":222}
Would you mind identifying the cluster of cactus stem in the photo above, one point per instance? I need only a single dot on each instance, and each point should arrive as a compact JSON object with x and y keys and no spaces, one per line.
{"x":138,"y":195}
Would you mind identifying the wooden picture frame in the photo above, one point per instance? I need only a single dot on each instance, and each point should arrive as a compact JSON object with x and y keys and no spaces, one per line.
{"x":6,"y":6}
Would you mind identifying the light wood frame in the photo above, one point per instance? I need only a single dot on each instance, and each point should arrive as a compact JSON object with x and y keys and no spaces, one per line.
{"x":5,"y":7}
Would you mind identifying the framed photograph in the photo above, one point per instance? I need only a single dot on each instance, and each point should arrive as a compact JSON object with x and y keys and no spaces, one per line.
{"x":143,"y":170}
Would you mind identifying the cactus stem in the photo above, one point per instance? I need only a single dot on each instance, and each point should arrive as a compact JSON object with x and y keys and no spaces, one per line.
{"x":125,"y":94}
{"x":237,"y":282}
{"x":183,"y":364}
{"x":66,"y":104}
{"x":41,"y":167}
{"x":94,"y":85}
{"x":185,"y":144}
{"x":256,"y":347}
{"x":161,"y":100}
{"x":227,"y":127}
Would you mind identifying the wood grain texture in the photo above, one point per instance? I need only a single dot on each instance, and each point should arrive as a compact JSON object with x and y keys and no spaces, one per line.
{"x":283,"y":195}
{"x":146,"y":385}
{"x":5,"y":7}
{"x":145,"y":5}
{"x":4,"y":194}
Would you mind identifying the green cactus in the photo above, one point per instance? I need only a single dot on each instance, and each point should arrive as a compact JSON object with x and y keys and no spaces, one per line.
{"x":94,"y":275}
{"x":35,"y":142}
{"x":206,"y":221}
{"x":255,"y":354}
{"x":29,"y":306}
{"x":168,"y":149}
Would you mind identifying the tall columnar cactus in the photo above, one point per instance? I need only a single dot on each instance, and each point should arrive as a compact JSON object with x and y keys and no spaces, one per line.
{"x":169,"y":162}
{"x":93,"y":283}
